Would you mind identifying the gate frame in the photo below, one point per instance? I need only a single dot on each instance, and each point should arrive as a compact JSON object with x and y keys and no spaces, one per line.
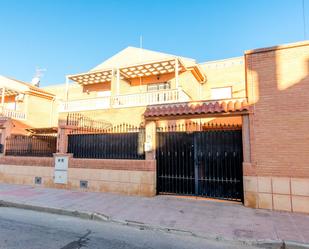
{"x":151,"y":129}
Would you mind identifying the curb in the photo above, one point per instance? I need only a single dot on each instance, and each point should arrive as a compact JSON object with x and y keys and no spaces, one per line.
{"x":270,"y":244}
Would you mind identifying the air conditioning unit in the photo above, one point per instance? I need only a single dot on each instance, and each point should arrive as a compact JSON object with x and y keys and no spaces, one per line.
{"x":20,"y":97}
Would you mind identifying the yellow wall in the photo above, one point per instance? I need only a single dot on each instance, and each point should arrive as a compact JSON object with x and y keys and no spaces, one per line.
{"x":115,"y":116}
{"x":76,"y":91}
{"x":223,"y":73}
{"x":40,"y":112}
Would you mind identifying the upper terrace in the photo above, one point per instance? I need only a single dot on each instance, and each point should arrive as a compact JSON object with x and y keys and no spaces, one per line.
{"x":135,"y":77}
{"x":12,"y":97}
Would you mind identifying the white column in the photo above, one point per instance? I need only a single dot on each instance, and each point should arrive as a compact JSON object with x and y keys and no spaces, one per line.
{"x":2,"y":96}
{"x":118,"y":81}
{"x":176,"y":73}
{"x":67,"y":80}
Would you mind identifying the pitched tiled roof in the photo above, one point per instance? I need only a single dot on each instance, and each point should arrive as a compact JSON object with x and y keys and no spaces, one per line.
{"x":191,"y":108}
{"x":132,"y":56}
{"x":4,"y":80}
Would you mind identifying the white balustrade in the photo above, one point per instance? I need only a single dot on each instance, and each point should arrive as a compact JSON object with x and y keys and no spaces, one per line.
{"x":12,"y":114}
{"x":128,"y":100}
{"x":150,"y":98}
{"x":85,"y":104}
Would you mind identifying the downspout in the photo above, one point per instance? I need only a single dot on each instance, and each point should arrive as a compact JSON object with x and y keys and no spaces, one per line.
{"x":52,"y":112}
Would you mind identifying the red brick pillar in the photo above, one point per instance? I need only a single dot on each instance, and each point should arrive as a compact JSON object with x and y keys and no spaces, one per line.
{"x":62,"y":137}
{"x":6,"y":126}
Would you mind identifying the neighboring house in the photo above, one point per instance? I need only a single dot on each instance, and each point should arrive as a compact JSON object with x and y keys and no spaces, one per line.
{"x":25,"y":106}
{"x":119,"y":89}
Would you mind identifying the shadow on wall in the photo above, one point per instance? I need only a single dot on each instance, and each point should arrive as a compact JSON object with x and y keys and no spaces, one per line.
{"x":278,"y":89}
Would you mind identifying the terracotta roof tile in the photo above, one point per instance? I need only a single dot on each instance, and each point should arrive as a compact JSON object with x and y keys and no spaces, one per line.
{"x":187,"y":108}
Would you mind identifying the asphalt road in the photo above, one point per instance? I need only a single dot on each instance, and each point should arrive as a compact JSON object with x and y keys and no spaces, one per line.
{"x":24,"y":229}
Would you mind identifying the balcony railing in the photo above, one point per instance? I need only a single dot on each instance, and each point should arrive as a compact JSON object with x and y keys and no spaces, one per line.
{"x":129,"y":100}
{"x":150,"y":98}
{"x":12,"y":114}
{"x":85,"y":104}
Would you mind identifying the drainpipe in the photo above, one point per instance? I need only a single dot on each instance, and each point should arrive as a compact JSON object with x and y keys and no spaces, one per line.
{"x":66,"y":92}
{"x":176,"y":73}
{"x":52,"y":112}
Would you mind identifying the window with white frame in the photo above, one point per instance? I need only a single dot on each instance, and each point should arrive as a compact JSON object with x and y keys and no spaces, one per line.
{"x":221,"y":93}
{"x":158,"y":86}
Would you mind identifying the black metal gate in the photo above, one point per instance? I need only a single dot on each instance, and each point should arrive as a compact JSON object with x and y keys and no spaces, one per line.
{"x":201,"y":163}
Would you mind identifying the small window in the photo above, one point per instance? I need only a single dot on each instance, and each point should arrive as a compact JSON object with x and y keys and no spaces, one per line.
{"x":158,"y":86}
{"x":152,"y":87}
{"x":221,"y":93}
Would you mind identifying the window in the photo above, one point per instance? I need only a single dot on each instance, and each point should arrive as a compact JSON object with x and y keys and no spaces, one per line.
{"x":221,"y":93}
{"x":158,"y":86}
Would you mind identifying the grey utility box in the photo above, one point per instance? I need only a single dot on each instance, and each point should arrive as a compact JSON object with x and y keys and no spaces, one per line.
{"x":61,"y":169}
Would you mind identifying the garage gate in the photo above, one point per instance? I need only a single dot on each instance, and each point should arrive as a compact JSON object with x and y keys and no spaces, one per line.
{"x":200,"y":163}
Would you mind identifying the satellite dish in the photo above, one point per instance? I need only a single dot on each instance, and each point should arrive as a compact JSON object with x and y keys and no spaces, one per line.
{"x":36,"y":81}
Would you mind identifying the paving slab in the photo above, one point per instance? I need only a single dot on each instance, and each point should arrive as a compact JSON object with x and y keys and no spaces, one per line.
{"x":225,"y":220}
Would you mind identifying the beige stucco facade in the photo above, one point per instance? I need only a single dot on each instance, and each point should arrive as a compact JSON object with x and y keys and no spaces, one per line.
{"x":194,"y":82}
{"x":26,"y":105}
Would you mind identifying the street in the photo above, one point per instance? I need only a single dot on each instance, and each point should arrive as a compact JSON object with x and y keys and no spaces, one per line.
{"x":24,"y":229}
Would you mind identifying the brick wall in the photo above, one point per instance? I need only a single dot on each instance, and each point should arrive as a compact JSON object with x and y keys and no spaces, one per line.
{"x":278,"y":89}
{"x":129,"y":177}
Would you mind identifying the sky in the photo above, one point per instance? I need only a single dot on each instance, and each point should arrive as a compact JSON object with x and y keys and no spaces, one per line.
{"x":73,"y":36}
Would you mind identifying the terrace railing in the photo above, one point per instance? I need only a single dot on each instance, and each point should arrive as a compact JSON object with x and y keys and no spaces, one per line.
{"x":127,"y":100}
{"x":85,"y":104}
{"x":12,"y":114}
{"x":150,"y":98}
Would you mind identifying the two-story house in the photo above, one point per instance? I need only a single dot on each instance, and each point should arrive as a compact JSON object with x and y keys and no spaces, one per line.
{"x":24,"y":106}
{"x":119,"y":89}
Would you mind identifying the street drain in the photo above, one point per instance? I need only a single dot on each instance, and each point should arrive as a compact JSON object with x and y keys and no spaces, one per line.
{"x":77,"y":244}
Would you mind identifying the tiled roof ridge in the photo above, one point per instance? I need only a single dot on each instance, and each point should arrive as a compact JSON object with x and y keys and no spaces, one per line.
{"x":201,"y":107}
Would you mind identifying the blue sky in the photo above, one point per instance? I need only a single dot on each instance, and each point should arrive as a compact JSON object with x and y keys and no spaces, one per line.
{"x":67,"y":37}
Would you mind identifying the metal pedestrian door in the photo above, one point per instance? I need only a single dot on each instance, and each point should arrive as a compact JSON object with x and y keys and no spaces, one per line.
{"x":201,"y":163}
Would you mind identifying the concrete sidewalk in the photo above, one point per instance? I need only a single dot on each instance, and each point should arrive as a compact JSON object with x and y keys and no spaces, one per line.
{"x":210,"y":219}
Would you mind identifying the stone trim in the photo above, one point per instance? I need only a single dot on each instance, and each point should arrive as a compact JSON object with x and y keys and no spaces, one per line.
{"x":27,"y":161}
{"x":278,"y":47}
{"x":113,"y":164}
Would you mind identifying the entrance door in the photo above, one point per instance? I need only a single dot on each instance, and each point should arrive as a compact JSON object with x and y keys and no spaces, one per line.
{"x":202,"y":163}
